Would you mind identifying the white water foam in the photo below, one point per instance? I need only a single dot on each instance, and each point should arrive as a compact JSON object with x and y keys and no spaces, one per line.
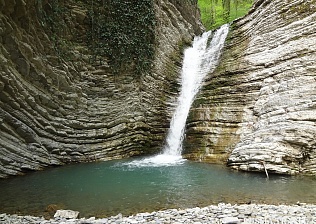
{"x":157,"y":161}
{"x":199,"y":60}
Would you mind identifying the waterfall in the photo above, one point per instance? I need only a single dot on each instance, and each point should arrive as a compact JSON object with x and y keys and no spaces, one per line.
{"x":199,"y":60}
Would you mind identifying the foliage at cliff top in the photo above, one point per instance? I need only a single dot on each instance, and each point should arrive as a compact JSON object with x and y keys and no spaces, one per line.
{"x":215,"y":13}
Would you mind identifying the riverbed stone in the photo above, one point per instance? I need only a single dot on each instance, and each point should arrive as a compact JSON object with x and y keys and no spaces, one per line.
{"x":230,"y":220}
{"x":261,"y":214}
{"x":66,"y":214}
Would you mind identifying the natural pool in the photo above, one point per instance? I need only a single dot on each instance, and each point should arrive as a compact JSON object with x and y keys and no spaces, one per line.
{"x":124,"y":186}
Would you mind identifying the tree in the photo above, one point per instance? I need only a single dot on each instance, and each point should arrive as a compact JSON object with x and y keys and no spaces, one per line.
{"x":215,"y":13}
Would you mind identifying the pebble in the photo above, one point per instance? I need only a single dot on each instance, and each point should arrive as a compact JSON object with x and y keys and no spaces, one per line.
{"x":220,"y":214}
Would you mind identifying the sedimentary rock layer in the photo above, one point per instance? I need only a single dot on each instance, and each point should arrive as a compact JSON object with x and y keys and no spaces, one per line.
{"x":257,"y":111}
{"x":56,"y":109}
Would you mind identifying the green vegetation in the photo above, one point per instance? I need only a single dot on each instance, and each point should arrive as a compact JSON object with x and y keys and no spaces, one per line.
{"x":120,"y":31}
{"x":124,"y":32}
{"x":215,"y":13}
{"x":52,"y":16}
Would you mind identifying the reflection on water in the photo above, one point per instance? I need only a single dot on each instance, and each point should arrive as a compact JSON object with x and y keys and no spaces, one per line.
{"x":109,"y":188}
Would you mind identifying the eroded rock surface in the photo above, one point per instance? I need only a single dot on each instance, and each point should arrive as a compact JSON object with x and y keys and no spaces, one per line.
{"x":259,"y":108}
{"x":56,"y":109}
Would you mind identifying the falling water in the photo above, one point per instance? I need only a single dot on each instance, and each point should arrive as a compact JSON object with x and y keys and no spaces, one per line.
{"x":199,"y":60}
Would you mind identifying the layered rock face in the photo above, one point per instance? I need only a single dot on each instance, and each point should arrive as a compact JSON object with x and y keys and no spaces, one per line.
{"x":56,"y":109}
{"x":258,"y":109}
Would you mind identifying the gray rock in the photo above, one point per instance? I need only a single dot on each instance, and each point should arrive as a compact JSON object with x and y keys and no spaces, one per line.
{"x":259,"y":105}
{"x":79,"y":105}
{"x":230,"y":220}
{"x":261,"y":213}
{"x":66,"y":214}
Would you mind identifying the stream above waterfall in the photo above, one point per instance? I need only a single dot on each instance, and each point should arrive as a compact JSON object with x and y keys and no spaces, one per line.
{"x":125,"y":186}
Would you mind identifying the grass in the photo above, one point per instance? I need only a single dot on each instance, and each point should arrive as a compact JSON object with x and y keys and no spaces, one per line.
{"x":214,"y":14}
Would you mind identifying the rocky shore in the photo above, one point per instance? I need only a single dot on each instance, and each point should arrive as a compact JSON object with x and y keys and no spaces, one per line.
{"x":221,"y":213}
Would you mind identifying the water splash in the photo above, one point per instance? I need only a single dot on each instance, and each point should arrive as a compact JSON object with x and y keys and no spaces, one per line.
{"x":156,"y":161}
{"x":199,"y":60}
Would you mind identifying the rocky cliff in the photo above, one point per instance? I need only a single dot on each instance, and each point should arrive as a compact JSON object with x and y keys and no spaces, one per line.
{"x":61,"y":97}
{"x":258,"y":109}
{"x":66,"y":95}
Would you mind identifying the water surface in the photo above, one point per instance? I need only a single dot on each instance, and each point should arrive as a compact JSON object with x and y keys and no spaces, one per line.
{"x":108,"y":188}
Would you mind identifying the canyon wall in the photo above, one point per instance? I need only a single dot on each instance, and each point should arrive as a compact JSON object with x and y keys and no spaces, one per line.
{"x":258,"y":109}
{"x":63,"y":97}
{"x":62,"y":102}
